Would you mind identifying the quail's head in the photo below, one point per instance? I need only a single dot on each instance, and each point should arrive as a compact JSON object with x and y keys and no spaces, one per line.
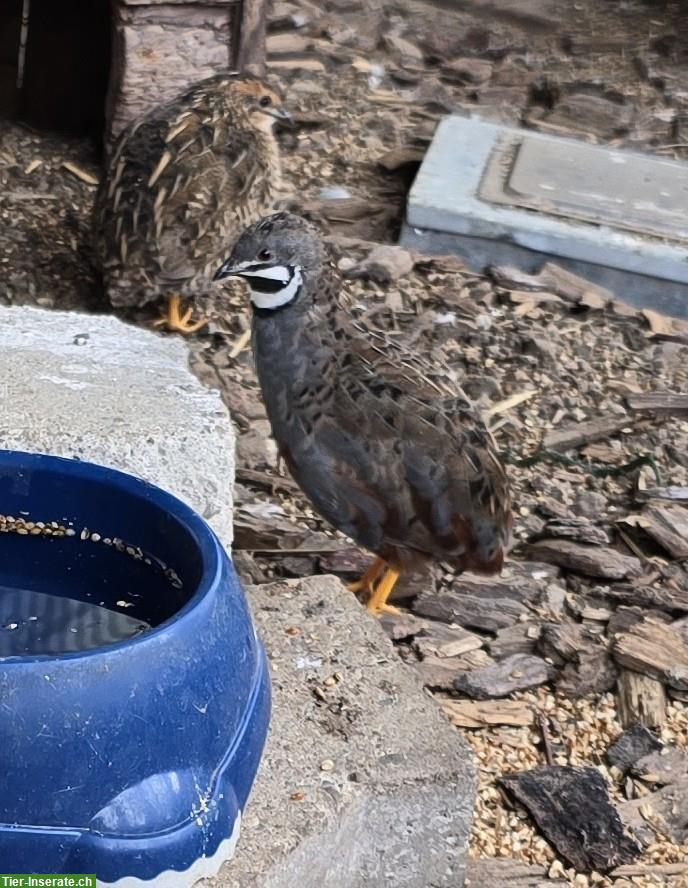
{"x":260,"y":102}
{"x":275,"y":256}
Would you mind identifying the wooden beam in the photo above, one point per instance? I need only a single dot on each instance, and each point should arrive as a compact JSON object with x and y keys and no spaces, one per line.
{"x":250,"y":57}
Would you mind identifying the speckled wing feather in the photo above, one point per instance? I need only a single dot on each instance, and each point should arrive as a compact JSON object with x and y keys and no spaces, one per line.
{"x":182,"y":182}
{"x":411,"y":468}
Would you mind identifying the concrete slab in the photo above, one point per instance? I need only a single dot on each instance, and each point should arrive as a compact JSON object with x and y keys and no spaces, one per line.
{"x":497,"y":195}
{"x":364,"y":783}
{"x":91,"y":387}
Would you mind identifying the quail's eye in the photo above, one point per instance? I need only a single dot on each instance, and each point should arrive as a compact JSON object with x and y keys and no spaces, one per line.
{"x":265,"y":255}
{"x":265,"y":101}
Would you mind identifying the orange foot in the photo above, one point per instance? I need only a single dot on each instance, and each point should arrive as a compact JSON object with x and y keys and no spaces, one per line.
{"x":377,"y":603}
{"x":367,"y":581}
{"x":177,"y":321}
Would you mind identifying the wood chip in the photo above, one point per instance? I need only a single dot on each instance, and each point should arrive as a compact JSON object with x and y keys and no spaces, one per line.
{"x":655,"y":649}
{"x":518,"y":639}
{"x":572,"y":809}
{"x":501,"y":872}
{"x":579,"y":529}
{"x":515,"y":673}
{"x":397,"y":158}
{"x":554,"y":278}
{"x":80,"y":173}
{"x":508,"y":404}
{"x":663,"y":766}
{"x":635,"y":743}
{"x":591,"y":672}
{"x":440,"y":640}
{"x":668,"y":598}
{"x":593,"y":561}
{"x":667,"y":525}
{"x":473,"y":714}
{"x":384,"y":264}
{"x":664,"y":813}
{"x":581,"y":433}
{"x":472,"y":608}
{"x":662,"y":403}
{"x":297,"y":63}
{"x":651,"y":870}
{"x":664,"y":327}
{"x":673,"y":494}
{"x":441,"y":672}
{"x":240,"y":344}
{"x":561,"y":641}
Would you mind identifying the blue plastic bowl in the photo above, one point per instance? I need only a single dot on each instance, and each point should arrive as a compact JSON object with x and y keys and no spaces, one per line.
{"x":134,"y":694}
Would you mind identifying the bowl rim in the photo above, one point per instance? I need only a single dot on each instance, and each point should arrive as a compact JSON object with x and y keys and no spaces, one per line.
{"x":212,"y":553}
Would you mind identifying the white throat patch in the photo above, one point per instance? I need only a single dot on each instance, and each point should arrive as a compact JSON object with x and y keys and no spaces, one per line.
{"x":289,"y":277}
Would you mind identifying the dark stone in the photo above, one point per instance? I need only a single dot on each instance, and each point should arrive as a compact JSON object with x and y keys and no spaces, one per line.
{"x":632,"y":745}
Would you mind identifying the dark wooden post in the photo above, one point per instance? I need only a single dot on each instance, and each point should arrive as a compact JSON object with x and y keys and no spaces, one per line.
{"x":250,"y":45}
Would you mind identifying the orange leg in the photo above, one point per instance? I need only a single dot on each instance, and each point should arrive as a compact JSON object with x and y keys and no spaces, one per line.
{"x":367,"y":581}
{"x":377,"y":603}
{"x":177,"y":321}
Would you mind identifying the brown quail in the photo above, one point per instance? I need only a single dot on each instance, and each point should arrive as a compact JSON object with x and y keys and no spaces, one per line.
{"x":386,"y":450}
{"x":182,"y":183}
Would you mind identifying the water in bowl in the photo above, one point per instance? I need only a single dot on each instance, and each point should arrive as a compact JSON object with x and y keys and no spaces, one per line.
{"x":34,"y":623}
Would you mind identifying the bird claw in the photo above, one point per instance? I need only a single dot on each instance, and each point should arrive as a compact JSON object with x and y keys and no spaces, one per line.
{"x":369,"y":578}
{"x":378,"y":581}
{"x":177,"y":321}
{"x":383,"y":609}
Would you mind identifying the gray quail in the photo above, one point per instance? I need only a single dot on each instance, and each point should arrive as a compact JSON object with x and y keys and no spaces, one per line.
{"x":386,"y":450}
{"x":182,"y":182}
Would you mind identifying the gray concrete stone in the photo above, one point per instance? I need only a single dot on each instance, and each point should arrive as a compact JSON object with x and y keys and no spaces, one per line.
{"x":497,"y":195}
{"x":364,"y":783}
{"x":91,"y":387}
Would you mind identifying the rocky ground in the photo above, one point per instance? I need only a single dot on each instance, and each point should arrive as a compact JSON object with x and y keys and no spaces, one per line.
{"x":586,"y":633}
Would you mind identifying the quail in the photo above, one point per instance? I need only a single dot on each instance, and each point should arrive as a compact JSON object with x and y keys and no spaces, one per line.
{"x":384,"y":447}
{"x":182,"y":182}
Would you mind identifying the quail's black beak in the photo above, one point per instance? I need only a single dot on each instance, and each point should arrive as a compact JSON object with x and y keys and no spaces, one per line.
{"x":227,"y":269}
{"x":283,"y":117}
